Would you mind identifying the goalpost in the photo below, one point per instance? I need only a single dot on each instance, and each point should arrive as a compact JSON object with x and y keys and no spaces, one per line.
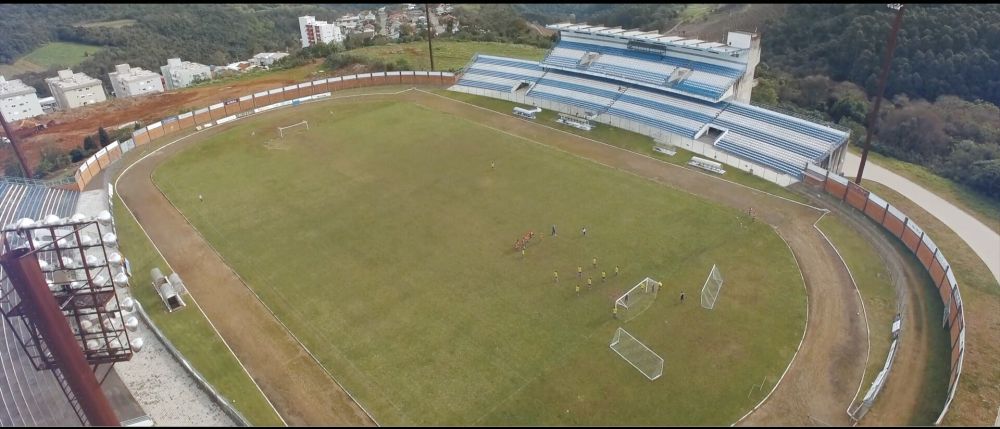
{"x":637,"y":299}
{"x":281,"y":130}
{"x":710,"y":290}
{"x":637,"y":354}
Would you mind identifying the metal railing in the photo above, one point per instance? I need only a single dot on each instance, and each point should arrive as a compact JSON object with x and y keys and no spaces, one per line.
{"x":26,"y":181}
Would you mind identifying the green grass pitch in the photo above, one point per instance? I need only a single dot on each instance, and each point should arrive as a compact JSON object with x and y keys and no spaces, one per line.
{"x":383,"y":238}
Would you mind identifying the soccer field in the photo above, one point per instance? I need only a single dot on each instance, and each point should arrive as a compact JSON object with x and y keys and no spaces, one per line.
{"x":383,"y":238}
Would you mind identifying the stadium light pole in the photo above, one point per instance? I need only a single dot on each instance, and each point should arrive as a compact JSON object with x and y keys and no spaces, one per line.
{"x":26,"y":277}
{"x":430,"y":47}
{"x":886,"y":62}
{"x":13,"y":145}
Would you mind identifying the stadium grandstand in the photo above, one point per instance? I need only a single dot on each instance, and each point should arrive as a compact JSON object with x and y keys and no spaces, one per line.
{"x":31,"y":397}
{"x":685,"y":92}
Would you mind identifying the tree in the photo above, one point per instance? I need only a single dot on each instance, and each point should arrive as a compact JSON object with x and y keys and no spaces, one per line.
{"x":814,"y":91}
{"x":103,"y":137}
{"x":985,"y":176}
{"x":89,"y":145}
{"x":76,"y":155}
{"x":915,"y":133}
{"x":52,"y":160}
{"x":12,"y":169}
{"x":851,"y":109}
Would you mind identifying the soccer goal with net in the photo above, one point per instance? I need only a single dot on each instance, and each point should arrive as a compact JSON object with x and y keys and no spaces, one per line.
{"x":637,"y":299}
{"x":637,"y":354}
{"x":713,"y":285}
{"x":285,"y":130}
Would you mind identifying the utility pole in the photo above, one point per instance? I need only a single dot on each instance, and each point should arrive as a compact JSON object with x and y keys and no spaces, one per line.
{"x":430,"y":33}
{"x":13,"y":145}
{"x":873,"y":115}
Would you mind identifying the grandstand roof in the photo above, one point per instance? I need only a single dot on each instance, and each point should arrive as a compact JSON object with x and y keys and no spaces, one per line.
{"x":711,"y":81}
{"x":772,"y":139}
{"x":637,"y":34}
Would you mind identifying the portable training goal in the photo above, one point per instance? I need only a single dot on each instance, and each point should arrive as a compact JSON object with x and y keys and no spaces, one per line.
{"x":283,"y":130}
{"x":710,"y":290}
{"x":637,"y":354}
{"x":637,"y":299}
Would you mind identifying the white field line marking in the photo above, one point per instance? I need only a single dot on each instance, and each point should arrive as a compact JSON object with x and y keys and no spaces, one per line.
{"x":801,"y":276}
{"x":863,"y":310}
{"x":797,"y":349}
{"x":652,"y":179}
{"x":626,"y":150}
{"x":200,"y":310}
{"x":273,"y":314}
{"x":241,"y":279}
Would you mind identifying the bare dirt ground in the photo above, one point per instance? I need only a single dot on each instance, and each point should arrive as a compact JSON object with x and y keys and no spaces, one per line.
{"x":900,"y":400}
{"x":300,"y":389}
{"x":818,"y":387}
{"x":70,"y":127}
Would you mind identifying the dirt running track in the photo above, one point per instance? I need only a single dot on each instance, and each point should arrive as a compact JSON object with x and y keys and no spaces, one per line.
{"x":900,"y":399}
{"x":817,"y":389}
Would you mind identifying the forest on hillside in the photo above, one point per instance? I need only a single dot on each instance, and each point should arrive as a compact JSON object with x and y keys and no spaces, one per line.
{"x":817,"y":59}
{"x":948,"y":49}
{"x":942,"y":92}
{"x":205,"y":33}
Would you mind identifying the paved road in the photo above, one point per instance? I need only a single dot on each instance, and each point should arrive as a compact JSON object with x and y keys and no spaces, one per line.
{"x":983,"y":240}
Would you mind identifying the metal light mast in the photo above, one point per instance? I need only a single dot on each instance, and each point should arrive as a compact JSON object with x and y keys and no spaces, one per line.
{"x":873,"y":115}
{"x":430,"y":34}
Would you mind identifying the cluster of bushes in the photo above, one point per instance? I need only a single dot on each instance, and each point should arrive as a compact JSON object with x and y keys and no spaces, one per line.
{"x":54,"y":160}
{"x":339,"y":60}
{"x":952,"y":137}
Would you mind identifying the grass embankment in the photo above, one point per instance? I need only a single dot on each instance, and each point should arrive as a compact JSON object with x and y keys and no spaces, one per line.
{"x":188,"y":329}
{"x":978,"y":395}
{"x":448,"y":55}
{"x":979,"y":206}
{"x":873,"y":280}
{"x":624,"y":139}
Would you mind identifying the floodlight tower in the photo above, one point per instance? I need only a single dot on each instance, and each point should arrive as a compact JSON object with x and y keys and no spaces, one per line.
{"x":430,"y":33}
{"x":59,"y":296}
{"x":873,"y":115}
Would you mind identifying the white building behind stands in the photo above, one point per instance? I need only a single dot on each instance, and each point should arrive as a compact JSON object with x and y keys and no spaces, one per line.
{"x":266,"y":59}
{"x":313,"y":31}
{"x":179,"y":74}
{"x":17,"y":100}
{"x":72,"y":90}
{"x":129,"y":81}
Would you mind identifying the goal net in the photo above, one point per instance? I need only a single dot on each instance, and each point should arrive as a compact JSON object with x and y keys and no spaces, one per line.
{"x":637,"y":354}
{"x":710,"y":291}
{"x":282,"y":131}
{"x":637,"y":299}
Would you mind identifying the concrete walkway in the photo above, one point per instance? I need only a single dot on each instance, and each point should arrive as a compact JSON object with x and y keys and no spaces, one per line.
{"x":978,"y":236}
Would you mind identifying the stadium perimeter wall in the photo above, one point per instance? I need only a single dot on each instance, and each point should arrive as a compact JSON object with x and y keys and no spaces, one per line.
{"x":239,"y":107}
{"x":874,"y":207}
{"x":705,"y":150}
{"x":930,"y":256}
